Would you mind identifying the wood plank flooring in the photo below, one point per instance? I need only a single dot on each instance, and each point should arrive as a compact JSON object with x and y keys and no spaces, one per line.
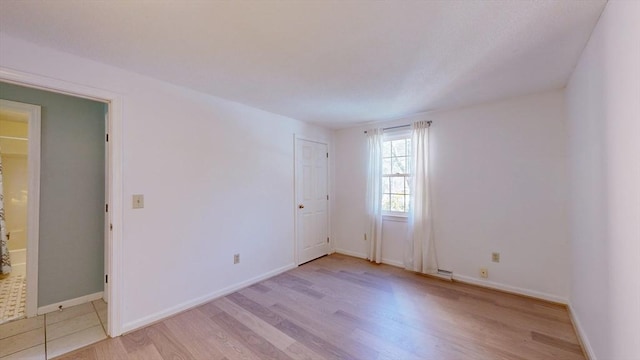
{"x":339,"y":307}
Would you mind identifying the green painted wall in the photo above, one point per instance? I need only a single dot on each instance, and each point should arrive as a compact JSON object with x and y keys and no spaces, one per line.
{"x":71,"y":249}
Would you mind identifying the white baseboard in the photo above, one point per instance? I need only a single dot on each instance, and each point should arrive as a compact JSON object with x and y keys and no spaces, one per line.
{"x":18,"y":256}
{"x":351,"y":253}
{"x":509,"y":288}
{"x":391,"y":262}
{"x":471,"y":280}
{"x":582,"y":336}
{"x":147,"y":320}
{"x":69,"y":303}
{"x":441,"y":276}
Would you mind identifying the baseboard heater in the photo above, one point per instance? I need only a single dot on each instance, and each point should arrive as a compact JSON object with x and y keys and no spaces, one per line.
{"x":444,"y":274}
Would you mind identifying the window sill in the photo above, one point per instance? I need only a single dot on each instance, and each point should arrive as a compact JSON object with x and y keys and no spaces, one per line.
{"x":395,"y":217}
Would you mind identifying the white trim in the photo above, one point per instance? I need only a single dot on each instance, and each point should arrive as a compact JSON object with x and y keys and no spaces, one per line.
{"x":395,"y":263}
{"x":54,"y":85}
{"x":115,"y":267}
{"x":396,"y":134}
{"x":69,"y":303}
{"x":582,"y":335}
{"x":13,"y":137}
{"x":294,"y":206}
{"x":116,"y":203}
{"x":305,"y":138}
{"x":33,"y":113}
{"x":107,"y":216}
{"x":364,"y":256}
{"x":471,"y":280}
{"x":441,"y":276}
{"x":395,"y":217}
{"x":509,"y":288}
{"x":131,"y":326}
{"x":18,"y":257}
{"x":351,"y":253}
{"x":33,"y":210}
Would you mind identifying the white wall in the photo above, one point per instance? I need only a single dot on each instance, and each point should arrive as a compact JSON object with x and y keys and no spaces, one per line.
{"x":499,"y":184}
{"x":217,"y":178}
{"x":603,"y":98}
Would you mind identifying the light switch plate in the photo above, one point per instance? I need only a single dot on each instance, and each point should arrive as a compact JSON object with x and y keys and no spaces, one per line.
{"x":138,"y":201}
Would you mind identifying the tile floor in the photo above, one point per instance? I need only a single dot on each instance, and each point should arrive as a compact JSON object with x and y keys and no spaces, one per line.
{"x":13,"y":290}
{"x":53,"y":334}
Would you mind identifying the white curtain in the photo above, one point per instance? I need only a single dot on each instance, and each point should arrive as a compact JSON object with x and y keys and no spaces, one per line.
{"x":420,"y":252}
{"x":374,"y":194}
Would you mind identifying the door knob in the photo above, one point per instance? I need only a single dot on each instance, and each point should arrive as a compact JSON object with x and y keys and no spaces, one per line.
{"x":300,"y":206}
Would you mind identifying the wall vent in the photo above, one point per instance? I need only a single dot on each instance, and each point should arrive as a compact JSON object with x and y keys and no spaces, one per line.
{"x":444,"y":274}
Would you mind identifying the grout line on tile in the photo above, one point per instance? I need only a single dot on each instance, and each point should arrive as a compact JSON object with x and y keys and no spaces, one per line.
{"x":45,"y":320}
{"x":75,"y":345}
{"x":25,"y":349}
{"x":98,"y":314}
{"x":75,"y":332}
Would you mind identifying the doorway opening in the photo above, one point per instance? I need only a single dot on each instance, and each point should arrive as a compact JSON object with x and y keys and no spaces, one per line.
{"x":76,"y":172}
{"x":19,"y":205}
{"x":112,"y":177}
{"x":70,"y":214}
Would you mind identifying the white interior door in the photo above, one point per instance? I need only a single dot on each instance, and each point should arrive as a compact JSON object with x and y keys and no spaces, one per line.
{"x":312,"y":197}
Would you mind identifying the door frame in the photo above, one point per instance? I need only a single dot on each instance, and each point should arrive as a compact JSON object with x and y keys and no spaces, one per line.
{"x":296,"y":138}
{"x":114,"y":102}
{"x":33,"y":113}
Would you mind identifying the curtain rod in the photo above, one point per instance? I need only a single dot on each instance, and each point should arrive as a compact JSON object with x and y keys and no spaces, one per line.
{"x":399,"y":127}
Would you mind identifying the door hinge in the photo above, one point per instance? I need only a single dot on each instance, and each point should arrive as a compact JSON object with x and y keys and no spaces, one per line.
{"x":327,"y":197}
{"x":106,"y":278}
{"x":327,"y":155}
{"x":327,"y":240}
{"x":107,"y":137}
{"x":106,"y":207}
{"x":110,"y":226}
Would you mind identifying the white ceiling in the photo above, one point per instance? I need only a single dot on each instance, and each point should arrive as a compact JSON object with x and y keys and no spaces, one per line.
{"x":334,"y":63}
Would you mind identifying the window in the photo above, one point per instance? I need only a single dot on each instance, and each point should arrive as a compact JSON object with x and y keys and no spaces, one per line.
{"x":396,"y":160}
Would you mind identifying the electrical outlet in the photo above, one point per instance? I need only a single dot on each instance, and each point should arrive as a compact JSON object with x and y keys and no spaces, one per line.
{"x":495,"y":257}
{"x":484,"y":273}
{"x":236,"y":258}
{"x":138,"y":201}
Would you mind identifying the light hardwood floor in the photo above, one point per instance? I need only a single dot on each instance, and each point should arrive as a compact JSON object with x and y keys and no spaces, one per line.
{"x":339,"y":307}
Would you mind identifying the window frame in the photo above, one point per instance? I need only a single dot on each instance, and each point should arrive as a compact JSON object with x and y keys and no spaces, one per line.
{"x":393,"y":136}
